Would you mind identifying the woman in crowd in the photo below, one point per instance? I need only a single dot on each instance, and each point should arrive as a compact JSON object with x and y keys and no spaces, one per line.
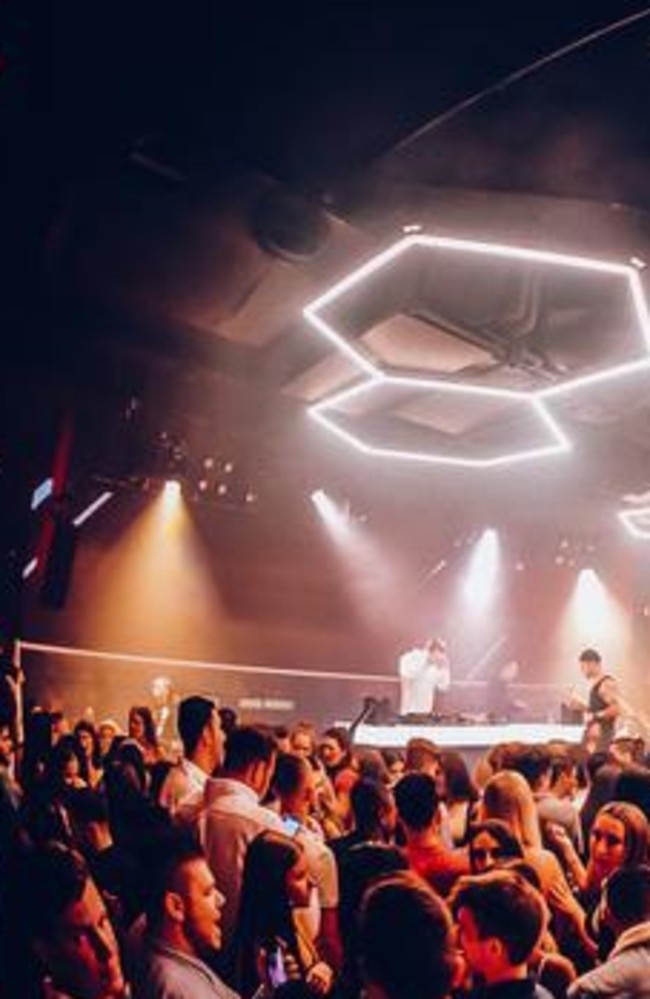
{"x":270,"y":947}
{"x":490,"y":843}
{"x":507,"y":796}
{"x":459,"y":794}
{"x":87,"y":743}
{"x":143,"y":730}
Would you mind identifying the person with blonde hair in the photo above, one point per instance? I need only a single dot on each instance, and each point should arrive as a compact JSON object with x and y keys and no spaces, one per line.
{"x":507,"y":796}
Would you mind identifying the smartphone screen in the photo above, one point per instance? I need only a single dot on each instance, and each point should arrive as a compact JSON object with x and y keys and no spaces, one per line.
{"x":291,"y":826}
{"x":275,"y":967}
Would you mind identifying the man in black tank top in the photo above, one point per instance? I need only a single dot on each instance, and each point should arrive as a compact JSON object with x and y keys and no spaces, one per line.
{"x":602,"y":707}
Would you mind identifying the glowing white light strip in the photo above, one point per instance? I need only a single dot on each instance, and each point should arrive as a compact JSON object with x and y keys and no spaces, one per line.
{"x":596,"y":378}
{"x":535,"y":398}
{"x":460,"y":388}
{"x":628,"y":518}
{"x":41,"y":493}
{"x":344,"y":394}
{"x":30,"y":568}
{"x":352,"y":279}
{"x":438,"y":459}
{"x":640,"y":303}
{"x":524,"y":253}
{"x":561,"y":443}
{"x":92,"y":508}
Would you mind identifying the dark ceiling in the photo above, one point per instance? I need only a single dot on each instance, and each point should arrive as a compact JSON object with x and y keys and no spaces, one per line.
{"x":179,"y":181}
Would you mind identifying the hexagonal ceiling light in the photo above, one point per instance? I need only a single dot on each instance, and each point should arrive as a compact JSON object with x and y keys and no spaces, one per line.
{"x":378,"y":376}
{"x":636,"y":522}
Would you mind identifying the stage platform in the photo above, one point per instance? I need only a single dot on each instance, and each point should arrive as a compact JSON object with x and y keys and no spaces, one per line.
{"x":469,"y":737}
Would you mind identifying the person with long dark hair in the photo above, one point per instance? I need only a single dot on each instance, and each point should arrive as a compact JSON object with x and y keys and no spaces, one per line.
{"x":276,"y":881}
{"x":87,"y":743}
{"x":143,"y":730}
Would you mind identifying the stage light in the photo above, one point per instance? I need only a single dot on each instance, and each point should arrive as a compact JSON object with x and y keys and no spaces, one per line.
{"x":228,"y":467}
{"x":480,"y":585}
{"x":92,"y":508}
{"x":172,"y":502}
{"x":203,"y":485}
{"x":222,"y":489}
{"x":333,"y":515}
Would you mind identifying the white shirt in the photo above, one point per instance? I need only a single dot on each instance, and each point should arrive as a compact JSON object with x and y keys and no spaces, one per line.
{"x":231,"y":818}
{"x":422,"y":672}
{"x":183,"y":787}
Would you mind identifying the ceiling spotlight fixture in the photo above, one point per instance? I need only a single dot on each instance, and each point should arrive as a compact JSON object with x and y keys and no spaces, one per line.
{"x":228,"y":467}
{"x":222,"y":489}
{"x":377,"y":376}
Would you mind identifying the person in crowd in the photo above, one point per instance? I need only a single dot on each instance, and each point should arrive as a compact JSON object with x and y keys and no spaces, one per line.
{"x":633,"y":785}
{"x":501,"y":919}
{"x":303,"y":740}
{"x":507,"y":796}
{"x":183,"y":934}
{"x":458,"y":793}
{"x":394,"y":760}
{"x":626,"y":910}
{"x":10,"y":791}
{"x":602,"y":783}
{"x":37,"y":748}
{"x":534,"y":763}
{"x":203,"y":739}
{"x":233,"y":815}
{"x":567,"y":777}
{"x":491,"y":843}
{"x":423,"y":757}
{"x":114,"y":869}
{"x":60,"y":725}
{"x":45,"y":806}
{"x":275,"y":884}
{"x":68,"y":927}
{"x":294,"y":786}
{"x":142,"y":729}
{"x":406,"y":941}
{"x":374,"y":817}
{"x":87,"y":743}
{"x":134,"y":814}
{"x":360,"y":867}
{"x":417,"y":801}
{"x":619,"y":837}
{"x":335,"y":751}
{"x":107,"y":730}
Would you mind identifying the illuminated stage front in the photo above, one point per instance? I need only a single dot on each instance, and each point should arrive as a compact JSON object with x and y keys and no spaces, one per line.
{"x":469,"y":737}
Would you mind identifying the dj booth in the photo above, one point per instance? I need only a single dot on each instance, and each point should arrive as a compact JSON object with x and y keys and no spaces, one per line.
{"x":475,"y":738}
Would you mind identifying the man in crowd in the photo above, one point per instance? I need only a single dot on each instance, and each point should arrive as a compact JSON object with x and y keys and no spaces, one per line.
{"x":406,"y":942}
{"x":417,"y":800}
{"x":203,"y":738}
{"x":626,"y":909}
{"x":535,"y":764}
{"x":232,"y":815}
{"x":500,"y":919}
{"x":183,"y":924}
{"x":69,"y":927}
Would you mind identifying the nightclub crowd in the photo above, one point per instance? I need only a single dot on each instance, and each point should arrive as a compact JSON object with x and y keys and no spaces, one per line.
{"x":285,"y":862}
